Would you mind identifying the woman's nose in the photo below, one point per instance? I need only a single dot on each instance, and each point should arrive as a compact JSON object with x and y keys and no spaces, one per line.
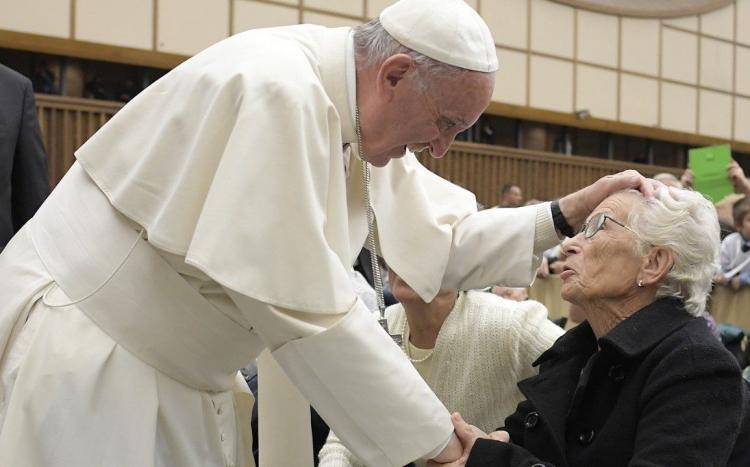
{"x":571,"y":246}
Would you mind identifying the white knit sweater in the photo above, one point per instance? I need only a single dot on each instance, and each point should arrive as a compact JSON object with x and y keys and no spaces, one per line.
{"x":485,"y":346}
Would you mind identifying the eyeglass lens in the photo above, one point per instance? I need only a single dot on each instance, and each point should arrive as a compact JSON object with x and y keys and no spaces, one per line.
{"x":594,"y":225}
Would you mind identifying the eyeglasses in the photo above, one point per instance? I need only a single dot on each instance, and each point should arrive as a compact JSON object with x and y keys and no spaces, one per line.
{"x":596,"y":223}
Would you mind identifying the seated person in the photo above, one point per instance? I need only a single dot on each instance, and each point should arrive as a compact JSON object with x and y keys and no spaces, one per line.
{"x":470,"y":347}
{"x":642,"y":381}
{"x":734,"y":259}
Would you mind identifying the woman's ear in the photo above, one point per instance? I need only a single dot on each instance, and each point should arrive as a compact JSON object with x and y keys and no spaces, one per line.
{"x":656,"y":265}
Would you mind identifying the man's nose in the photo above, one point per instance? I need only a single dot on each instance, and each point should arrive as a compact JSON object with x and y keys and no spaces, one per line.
{"x":439,"y":146}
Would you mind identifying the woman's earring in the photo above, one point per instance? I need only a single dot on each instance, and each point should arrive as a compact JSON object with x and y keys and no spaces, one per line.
{"x":640,"y":283}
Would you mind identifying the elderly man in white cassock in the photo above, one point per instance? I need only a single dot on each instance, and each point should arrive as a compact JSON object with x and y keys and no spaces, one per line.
{"x":218,"y":214}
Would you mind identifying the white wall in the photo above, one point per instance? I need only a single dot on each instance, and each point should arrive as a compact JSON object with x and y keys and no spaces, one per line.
{"x":689,"y":74}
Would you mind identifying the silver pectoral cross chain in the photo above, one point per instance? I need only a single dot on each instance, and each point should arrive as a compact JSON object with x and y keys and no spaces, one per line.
{"x":372,"y":244}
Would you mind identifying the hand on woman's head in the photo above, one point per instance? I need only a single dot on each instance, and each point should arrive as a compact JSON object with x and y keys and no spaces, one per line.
{"x":600,"y":262}
{"x":577,"y":206}
{"x":674,"y":237}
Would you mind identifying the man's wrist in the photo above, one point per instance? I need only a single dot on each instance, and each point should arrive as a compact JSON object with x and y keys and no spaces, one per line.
{"x":561,"y":223}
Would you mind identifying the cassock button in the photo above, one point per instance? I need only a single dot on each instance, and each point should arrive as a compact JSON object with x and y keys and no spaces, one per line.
{"x":222,"y":437}
{"x":220,"y":410}
{"x":585,"y":437}
{"x":531,"y":420}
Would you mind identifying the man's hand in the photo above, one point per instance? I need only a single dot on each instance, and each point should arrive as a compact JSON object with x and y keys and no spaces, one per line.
{"x":468,"y":434}
{"x":451,"y":453}
{"x":577,"y":206}
{"x":543,"y":271}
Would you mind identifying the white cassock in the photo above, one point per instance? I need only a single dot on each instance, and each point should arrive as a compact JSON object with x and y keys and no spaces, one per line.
{"x":233,"y":165}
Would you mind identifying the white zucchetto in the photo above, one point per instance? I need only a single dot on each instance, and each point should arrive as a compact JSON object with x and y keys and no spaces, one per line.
{"x":449,"y":31}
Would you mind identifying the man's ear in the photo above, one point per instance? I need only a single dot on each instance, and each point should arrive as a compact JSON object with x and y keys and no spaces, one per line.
{"x":392,"y":71}
{"x":656,"y":265}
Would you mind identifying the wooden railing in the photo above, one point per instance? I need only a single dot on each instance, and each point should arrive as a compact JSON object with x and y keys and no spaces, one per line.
{"x":726,"y":305}
{"x":484,"y":169}
{"x":68,"y":122}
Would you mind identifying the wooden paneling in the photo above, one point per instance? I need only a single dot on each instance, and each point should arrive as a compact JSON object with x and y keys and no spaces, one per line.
{"x":484,"y":169}
{"x":726,"y":305}
{"x":88,"y":50}
{"x":598,"y":124}
{"x":66,"y":124}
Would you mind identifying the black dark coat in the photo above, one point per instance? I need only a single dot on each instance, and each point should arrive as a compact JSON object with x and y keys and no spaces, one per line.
{"x":662,"y":391}
{"x":23,"y":162}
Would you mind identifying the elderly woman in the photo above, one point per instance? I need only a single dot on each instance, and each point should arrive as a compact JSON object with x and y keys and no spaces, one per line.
{"x":642,"y":381}
{"x":470,"y":347}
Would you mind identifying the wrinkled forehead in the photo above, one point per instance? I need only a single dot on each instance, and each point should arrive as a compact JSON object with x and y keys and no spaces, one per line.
{"x":468,"y":92}
{"x":621,"y":204}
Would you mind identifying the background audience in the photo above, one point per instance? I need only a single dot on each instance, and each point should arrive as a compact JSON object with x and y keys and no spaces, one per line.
{"x":734,"y":259}
{"x":511,"y":196}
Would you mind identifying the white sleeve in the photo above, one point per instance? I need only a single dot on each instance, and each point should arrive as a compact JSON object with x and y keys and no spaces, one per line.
{"x":335,"y":454}
{"x":354,"y":375}
{"x":725,"y":257}
{"x":499,"y":246}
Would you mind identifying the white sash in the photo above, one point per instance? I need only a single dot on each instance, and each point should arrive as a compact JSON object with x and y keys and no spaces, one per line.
{"x":147,"y":307}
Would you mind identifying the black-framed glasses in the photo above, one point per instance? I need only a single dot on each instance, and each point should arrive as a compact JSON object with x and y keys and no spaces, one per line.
{"x":595,"y":224}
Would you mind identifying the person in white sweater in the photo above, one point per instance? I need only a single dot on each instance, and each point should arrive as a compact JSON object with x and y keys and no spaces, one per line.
{"x":470,"y":347}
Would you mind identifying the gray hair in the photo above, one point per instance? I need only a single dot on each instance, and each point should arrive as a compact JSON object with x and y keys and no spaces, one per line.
{"x":373,"y":45}
{"x":686,"y":223}
{"x":668,"y":179}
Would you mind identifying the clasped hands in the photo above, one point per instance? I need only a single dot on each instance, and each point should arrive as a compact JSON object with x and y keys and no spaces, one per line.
{"x":467,"y":434}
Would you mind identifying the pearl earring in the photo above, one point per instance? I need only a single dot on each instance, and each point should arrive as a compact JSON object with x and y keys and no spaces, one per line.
{"x":640,"y":283}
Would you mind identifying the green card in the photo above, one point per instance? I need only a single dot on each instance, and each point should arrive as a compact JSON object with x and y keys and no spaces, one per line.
{"x":709,"y":166}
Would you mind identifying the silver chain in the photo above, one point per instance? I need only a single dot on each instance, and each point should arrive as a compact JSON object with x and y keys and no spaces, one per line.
{"x":377,"y":276}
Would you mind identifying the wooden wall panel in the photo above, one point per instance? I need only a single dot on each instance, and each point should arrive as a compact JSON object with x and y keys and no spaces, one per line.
{"x":67,"y":123}
{"x":543,"y":176}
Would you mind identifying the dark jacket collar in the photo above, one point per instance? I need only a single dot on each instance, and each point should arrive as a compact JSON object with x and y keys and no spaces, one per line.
{"x":634,"y":336}
{"x":646,"y":328}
